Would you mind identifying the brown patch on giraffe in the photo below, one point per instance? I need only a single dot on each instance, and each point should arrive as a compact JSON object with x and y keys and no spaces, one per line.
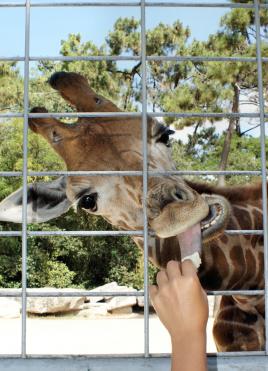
{"x":158,"y":251}
{"x":234,"y":194}
{"x":260,"y":276}
{"x":251,"y":266}
{"x":224,"y":239}
{"x":258,"y":218}
{"x":235,"y":329}
{"x":170,"y":250}
{"x":219,"y":260}
{"x":213,"y":277}
{"x":243,"y":218}
{"x":238,"y":261}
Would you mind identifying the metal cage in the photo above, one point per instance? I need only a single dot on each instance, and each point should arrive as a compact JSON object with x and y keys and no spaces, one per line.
{"x":146,"y":360}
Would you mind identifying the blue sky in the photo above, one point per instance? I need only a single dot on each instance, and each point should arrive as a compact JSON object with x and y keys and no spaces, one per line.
{"x":51,"y":25}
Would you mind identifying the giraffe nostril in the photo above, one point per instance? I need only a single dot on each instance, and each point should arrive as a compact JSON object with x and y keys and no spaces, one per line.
{"x":180,"y":195}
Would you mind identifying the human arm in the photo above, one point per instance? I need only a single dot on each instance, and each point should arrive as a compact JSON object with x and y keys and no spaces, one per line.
{"x":182,"y":307}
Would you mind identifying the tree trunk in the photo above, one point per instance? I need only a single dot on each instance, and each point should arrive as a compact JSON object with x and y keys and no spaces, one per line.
{"x":233,"y":124}
{"x":192,"y":139}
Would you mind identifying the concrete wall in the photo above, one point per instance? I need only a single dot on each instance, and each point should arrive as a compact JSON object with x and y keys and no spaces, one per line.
{"x":252,"y":363}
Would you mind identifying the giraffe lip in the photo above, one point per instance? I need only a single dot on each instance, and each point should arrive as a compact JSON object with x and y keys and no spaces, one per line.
{"x":213,"y":216}
{"x":216,"y":221}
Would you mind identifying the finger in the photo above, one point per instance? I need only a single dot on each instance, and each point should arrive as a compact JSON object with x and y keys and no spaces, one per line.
{"x":161,"y":278}
{"x":188,"y":268}
{"x":173,"y":269}
{"x":153,"y":290}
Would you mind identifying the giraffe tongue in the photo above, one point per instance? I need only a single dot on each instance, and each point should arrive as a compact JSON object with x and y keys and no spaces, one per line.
{"x":190,"y":241}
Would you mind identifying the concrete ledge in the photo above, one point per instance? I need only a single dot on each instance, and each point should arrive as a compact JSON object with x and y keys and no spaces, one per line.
{"x":256,"y":363}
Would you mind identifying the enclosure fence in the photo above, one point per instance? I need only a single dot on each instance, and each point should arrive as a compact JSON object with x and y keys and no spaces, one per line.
{"x":145,"y":173}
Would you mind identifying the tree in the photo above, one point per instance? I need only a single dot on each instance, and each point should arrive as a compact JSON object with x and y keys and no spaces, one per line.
{"x":11,"y":87}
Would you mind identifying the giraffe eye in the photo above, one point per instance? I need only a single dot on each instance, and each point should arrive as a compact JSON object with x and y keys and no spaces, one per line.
{"x":89,"y":202}
{"x":98,"y":100}
{"x":163,"y":135}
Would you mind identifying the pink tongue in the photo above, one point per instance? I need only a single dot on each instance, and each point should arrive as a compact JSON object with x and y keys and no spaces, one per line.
{"x":190,"y":241}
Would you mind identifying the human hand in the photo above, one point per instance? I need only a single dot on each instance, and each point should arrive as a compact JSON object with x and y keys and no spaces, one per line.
{"x":180,"y":301}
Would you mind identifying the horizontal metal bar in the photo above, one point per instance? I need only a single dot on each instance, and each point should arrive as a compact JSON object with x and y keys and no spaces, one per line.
{"x":204,"y":114}
{"x":150,"y":58}
{"x":64,"y":293}
{"x":236,"y":292}
{"x":10,"y":233}
{"x":245,"y":231}
{"x":74,"y":4}
{"x":36,"y":294}
{"x":131,"y":173}
{"x":202,"y":5}
{"x":85,"y":233}
{"x":134,"y":114}
{"x":110,"y":233}
{"x":134,"y":4}
{"x":134,"y":355}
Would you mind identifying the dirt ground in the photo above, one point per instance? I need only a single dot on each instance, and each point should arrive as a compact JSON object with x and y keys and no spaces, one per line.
{"x":120,"y":335}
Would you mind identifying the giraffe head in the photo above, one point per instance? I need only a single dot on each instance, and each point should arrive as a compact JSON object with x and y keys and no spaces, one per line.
{"x":99,"y":144}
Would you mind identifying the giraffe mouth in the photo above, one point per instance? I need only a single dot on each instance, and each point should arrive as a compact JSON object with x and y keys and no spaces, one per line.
{"x":216,"y":221}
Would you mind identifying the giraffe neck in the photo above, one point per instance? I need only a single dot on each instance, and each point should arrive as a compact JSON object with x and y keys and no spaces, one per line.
{"x":236,"y":261}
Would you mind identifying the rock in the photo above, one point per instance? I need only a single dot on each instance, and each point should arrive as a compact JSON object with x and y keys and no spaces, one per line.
{"x":117,"y":302}
{"x":47,"y":305}
{"x":109,"y":287}
{"x":124,"y":310}
{"x":93,"y":309}
{"x":9,"y":308}
{"x":121,"y":302}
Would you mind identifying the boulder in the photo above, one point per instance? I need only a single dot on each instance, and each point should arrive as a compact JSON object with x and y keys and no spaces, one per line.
{"x":117,"y":302}
{"x":49,"y":305}
{"x":109,"y":287}
{"x":93,"y":310}
{"x":122,"y":311}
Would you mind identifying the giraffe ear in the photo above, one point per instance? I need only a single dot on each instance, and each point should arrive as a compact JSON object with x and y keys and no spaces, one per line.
{"x":45,"y":201}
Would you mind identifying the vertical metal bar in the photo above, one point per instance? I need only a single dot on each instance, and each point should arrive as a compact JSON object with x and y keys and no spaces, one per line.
{"x":24,"y":174}
{"x":145,"y":179}
{"x":263,"y":160}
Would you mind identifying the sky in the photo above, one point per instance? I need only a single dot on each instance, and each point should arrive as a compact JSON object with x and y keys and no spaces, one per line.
{"x":50,"y":25}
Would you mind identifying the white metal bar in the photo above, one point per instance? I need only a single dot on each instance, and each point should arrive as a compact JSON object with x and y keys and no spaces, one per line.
{"x":150,"y":58}
{"x":145,"y":178}
{"x":263,"y":160}
{"x":59,"y":293}
{"x":63,"y":293}
{"x":101,"y":357}
{"x":24,"y":171}
{"x":130,"y":173}
{"x":111,"y":233}
{"x":136,"y":4}
{"x":133,"y":114}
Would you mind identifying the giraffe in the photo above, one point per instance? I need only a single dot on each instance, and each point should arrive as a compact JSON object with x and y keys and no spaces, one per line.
{"x":182,"y":214}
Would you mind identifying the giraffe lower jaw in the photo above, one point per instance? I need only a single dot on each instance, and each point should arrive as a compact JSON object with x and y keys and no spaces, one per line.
{"x":216,"y":221}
